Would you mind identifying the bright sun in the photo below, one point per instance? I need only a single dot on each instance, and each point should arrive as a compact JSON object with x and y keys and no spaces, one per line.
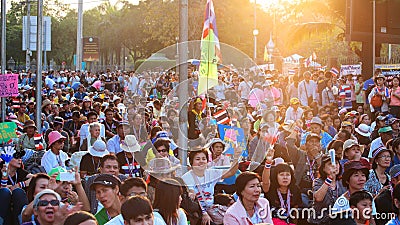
{"x":269,"y":3}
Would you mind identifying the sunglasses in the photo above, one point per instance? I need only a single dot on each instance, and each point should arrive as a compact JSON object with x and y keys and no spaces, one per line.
{"x":46,"y":203}
{"x":162,"y":150}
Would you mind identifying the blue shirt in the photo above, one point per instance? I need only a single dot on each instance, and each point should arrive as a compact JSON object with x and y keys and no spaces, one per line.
{"x":367,"y":84}
{"x":113,"y":145}
{"x":325,"y":139}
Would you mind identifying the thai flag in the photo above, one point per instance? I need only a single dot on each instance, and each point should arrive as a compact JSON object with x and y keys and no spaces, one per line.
{"x":222,"y":117}
{"x":38,"y":141}
{"x":291,"y":72}
{"x":334,"y":71}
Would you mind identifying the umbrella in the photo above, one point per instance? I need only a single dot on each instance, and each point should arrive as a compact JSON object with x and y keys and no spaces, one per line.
{"x":75,"y":85}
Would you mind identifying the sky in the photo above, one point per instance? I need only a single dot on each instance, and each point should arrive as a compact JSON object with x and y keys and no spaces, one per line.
{"x":89,"y":4}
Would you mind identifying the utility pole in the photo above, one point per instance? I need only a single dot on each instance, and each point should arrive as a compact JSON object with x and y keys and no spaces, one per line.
{"x":3,"y":53}
{"x":28,"y":35}
{"x":79,"y":36}
{"x":39,"y":47}
{"x":183,"y":90}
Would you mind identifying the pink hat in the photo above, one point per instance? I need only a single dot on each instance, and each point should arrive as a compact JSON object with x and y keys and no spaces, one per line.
{"x":55,"y":136}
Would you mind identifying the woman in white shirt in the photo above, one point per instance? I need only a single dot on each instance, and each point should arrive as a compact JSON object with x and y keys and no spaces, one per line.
{"x":167,"y":203}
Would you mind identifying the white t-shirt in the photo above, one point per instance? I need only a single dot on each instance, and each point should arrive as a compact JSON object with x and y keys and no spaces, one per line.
{"x":207,"y":183}
{"x":182,"y":220}
{"x":51,"y":160}
{"x":245,"y":88}
{"x":119,"y":220}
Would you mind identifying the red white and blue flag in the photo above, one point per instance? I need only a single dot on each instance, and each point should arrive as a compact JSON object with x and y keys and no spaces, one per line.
{"x":334,"y":71}
{"x":291,"y":72}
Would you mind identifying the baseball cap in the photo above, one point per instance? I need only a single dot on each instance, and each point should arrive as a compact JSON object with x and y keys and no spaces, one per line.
{"x":107,"y":180}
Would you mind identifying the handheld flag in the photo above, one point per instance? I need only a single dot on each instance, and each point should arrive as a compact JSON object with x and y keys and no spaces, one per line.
{"x":210,"y":51}
{"x":334,"y":71}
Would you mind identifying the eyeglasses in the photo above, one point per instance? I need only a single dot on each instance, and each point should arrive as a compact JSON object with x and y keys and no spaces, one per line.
{"x":162,"y":150}
{"x":385,"y":157}
{"x":144,"y":194}
{"x":46,"y":203}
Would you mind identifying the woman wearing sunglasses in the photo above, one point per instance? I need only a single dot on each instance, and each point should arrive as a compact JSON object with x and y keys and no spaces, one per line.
{"x":48,"y":210}
{"x":13,"y":180}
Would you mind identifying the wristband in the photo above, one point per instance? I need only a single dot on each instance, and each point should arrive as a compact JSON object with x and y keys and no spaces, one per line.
{"x":4,"y":182}
{"x":328,"y":181}
{"x":267,"y":166}
{"x":22,"y":184}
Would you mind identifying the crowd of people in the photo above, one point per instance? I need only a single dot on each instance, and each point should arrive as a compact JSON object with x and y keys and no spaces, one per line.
{"x":319,"y":148}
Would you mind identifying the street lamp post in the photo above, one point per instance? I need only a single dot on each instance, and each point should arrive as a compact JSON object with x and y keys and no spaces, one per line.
{"x":255,"y":33}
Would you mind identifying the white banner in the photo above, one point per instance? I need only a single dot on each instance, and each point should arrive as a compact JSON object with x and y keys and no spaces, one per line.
{"x":350,"y":69}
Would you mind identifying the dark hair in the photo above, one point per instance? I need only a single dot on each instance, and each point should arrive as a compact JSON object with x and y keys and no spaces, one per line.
{"x":92,"y":113}
{"x":161,"y":142}
{"x":79,"y":217}
{"x":132,"y":182}
{"x":154,"y":131}
{"x":136,"y":206}
{"x":192,"y":154}
{"x":396,"y":143}
{"x":108,"y":110}
{"x":223,"y":199}
{"x":166,"y":199}
{"x":347,"y":174}
{"x":358,"y":196}
{"x":396,"y":195}
{"x":32,"y":185}
{"x":76,"y":114}
{"x":326,"y":159}
{"x":108,"y":157}
{"x":243,"y":179}
{"x":346,"y":132}
{"x":282,"y":167}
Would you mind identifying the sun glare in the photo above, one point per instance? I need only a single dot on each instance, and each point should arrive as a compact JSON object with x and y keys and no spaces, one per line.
{"x":272,"y":3}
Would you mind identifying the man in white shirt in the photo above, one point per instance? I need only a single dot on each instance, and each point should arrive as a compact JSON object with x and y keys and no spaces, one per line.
{"x":294,"y":112}
{"x":307,"y":89}
{"x":84,"y":132}
{"x":244,"y":88}
{"x":133,"y":83}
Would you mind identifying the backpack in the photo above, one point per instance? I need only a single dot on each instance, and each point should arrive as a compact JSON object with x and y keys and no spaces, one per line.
{"x":376,"y":101}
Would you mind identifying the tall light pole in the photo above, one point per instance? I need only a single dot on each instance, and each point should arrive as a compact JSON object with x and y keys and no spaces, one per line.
{"x":255,"y":31}
{"x":28,"y":36}
{"x":79,"y":36}
{"x":373,"y":34}
{"x":3,"y":53}
{"x":183,"y":91}
{"x":39,"y":48}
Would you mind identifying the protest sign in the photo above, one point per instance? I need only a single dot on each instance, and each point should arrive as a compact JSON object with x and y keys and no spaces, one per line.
{"x":350,"y":69}
{"x":9,"y":85}
{"x":7,"y":131}
{"x":233,"y":136}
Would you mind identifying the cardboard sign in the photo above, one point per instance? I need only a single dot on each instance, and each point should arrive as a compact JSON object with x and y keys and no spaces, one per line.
{"x":7,"y":131}
{"x":9,"y":85}
{"x":233,"y":136}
